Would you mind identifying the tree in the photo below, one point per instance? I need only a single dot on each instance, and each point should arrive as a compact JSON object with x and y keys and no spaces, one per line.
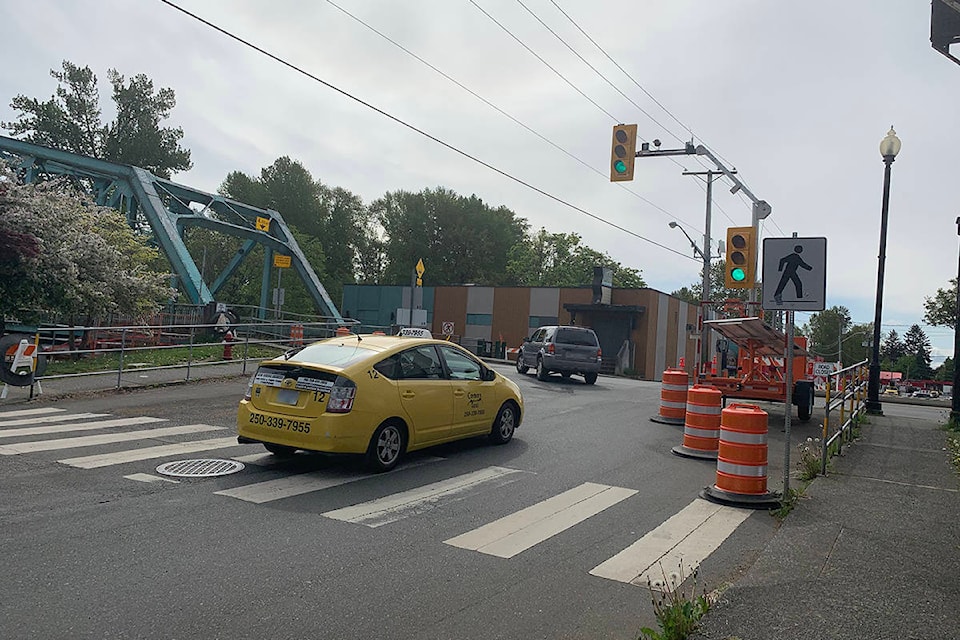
{"x":70,"y":120}
{"x":718,"y":289}
{"x":917,"y":346}
{"x":72,"y":258}
{"x":945,"y":371}
{"x":941,"y":309}
{"x":891,"y":348}
{"x":825,"y":330}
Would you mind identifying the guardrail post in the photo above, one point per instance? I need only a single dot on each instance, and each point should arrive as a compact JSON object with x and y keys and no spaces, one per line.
{"x":123,"y":344}
{"x":246,"y":347}
{"x":190,"y":353}
{"x":826,"y":432}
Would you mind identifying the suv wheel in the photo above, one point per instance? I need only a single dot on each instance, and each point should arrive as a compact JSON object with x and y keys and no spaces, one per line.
{"x":521,"y":368}
{"x":589,"y":378}
{"x":542,"y":373}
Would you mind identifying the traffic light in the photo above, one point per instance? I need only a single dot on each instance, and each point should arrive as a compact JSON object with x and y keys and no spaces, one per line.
{"x":623,"y":151}
{"x":738,"y":272}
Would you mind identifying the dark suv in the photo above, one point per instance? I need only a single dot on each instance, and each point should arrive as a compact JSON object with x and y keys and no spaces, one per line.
{"x":564,"y":350}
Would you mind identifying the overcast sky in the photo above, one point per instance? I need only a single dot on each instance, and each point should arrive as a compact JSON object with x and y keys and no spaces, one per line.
{"x":795,"y":95}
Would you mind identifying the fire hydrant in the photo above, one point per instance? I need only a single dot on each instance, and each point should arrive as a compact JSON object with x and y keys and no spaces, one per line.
{"x":228,"y":345}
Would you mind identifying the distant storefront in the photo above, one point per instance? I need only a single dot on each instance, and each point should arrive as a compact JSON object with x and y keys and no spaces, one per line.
{"x":643,"y":331}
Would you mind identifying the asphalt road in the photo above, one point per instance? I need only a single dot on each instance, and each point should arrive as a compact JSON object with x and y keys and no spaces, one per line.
{"x":90,"y":553}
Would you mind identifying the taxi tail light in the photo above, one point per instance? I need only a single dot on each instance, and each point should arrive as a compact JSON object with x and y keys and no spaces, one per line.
{"x":249,"y":393}
{"x":551,"y":349}
{"x":341,"y":396}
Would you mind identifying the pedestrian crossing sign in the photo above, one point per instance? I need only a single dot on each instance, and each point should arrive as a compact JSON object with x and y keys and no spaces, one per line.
{"x":794,"y":274}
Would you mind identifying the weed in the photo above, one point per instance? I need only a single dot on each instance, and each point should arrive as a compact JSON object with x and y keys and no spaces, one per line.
{"x":953,"y":447}
{"x":677,"y":610}
{"x":788,"y":502}
{"x":810,"y":461}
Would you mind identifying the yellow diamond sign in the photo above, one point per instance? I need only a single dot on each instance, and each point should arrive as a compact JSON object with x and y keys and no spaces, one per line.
{"x":263,"y":224}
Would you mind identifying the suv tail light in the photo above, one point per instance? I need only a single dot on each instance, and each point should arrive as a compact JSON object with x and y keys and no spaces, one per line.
{"x":599,"y":353}
{"x":551,"y":349}
{"x":341,"y":395}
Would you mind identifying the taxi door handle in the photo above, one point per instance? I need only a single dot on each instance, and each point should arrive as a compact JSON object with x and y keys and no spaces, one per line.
{"x":459,"y":393}
{"x":408,"y":394}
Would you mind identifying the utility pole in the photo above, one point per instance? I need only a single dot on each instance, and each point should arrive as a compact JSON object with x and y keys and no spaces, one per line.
{"x":705,"y":294}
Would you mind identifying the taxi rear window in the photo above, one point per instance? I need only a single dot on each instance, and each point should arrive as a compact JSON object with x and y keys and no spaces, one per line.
{"x":334,"y":355}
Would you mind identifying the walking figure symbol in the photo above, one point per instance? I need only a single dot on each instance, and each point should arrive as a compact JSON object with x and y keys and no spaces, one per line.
{"x":789,"y":265}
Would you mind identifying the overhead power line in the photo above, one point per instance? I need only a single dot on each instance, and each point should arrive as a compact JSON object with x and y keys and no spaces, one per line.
{"x":449,"y":146}
{"x":507,"y":115}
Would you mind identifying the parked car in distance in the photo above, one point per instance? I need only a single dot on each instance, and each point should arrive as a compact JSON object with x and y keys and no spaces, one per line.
{"x":378,"y":396}
{"x":922,"y":394}
{"x":890,"y":392}
{"x":566,"y":350}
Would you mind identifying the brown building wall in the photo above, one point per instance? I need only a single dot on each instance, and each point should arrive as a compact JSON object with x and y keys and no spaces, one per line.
{"x":511,"y":311}
{"x":449,"y":305}
{"x":573,"y":296}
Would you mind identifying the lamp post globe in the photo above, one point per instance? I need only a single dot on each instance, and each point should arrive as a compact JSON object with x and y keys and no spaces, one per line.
{"x":889,"y":148}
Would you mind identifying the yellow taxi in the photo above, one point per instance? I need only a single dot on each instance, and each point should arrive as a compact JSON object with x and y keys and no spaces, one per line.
{"x":376,"y":395}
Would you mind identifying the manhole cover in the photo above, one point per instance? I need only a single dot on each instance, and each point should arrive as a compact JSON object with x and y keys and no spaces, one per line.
{"x":205,"y":468}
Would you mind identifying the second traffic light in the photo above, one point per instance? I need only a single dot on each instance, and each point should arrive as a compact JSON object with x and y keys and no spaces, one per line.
{"x":623,"y":152}
{"x":738,"y":273}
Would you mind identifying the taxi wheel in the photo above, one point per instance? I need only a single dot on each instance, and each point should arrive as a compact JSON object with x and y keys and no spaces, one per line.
{"x":279,"y":449}
{"x":505,"y":424}
{"x":386,"y":447}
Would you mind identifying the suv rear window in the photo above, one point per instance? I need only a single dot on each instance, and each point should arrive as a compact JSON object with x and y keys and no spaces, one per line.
{"x":580,"y":337}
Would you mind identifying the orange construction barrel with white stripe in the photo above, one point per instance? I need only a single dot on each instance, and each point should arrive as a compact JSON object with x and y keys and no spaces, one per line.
{"x":701,"y":425}
{"x":742,"y":458}
{"x":673,"y":397}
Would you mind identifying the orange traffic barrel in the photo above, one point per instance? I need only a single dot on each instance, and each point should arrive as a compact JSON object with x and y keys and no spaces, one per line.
{"x":742,"y":459}
{"x":673,"y":397}
{"x":342,"y":331}
{"x":701,"y":426}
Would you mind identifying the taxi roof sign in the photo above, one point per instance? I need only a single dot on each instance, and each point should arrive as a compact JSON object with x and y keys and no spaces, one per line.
{"x":415,"y":332}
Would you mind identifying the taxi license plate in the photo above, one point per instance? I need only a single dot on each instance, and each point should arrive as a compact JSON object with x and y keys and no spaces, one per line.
{"x":288,"y":396}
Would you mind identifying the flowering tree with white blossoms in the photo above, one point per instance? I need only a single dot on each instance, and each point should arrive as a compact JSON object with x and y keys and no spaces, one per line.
{"x":62,"y":255}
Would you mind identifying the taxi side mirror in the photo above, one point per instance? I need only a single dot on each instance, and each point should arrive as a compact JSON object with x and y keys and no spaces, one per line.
{"x":489,"y":375}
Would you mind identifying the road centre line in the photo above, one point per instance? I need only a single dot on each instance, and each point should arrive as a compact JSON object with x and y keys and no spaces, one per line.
{"x":299,"y":484}
{"x":528,"y":527}
{"x":85,"y":426}
{"x":148,"y":453}
{"x":49,"y":419}
{"x":106,"y":438}
{"x":376,"y":513}
{"x":688,"y":536}
{"x":29,"y":412}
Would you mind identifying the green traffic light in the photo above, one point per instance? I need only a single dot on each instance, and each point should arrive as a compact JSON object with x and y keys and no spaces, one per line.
{"x":738,"y":274}
{"x":620,"y":166}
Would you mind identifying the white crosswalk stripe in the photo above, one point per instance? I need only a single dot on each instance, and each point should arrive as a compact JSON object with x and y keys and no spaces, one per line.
{"x":528,"y":527}
{"x":29,"y":412}
{"x":107,"y":438}
{"x":83,"y":426}
{"x":149,"y":453}
{"x":381,"y":511}
{"x":677,"y":546}
{"x":46,"y":419}
{"x":299,"y":484}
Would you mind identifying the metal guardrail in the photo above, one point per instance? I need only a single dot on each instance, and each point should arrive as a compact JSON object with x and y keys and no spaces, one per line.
{"x":850,"y":385}
{"x":131,"y":339}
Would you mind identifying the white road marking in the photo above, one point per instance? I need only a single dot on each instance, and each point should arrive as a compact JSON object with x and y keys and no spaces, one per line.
{"x":107,"y":438}
{"x":84,"y":426}
{"x":148,"y":453}
{"x":28,"y":412}
{"x":381,"y":511}
{"x":147,"y":477}
{"x":528,"y":527}
{"x":48,"y":419}
{"x":295,"y":485}
{"x":686,"y":538}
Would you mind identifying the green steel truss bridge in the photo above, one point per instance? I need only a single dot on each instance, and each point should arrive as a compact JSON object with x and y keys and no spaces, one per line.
{"x":171,"y":208}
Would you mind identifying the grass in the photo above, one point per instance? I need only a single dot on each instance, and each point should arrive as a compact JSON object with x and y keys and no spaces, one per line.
{"x":110,"y":361}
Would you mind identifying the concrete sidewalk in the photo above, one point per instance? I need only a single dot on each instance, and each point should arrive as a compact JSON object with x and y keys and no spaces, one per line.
{"x":872,"y":551}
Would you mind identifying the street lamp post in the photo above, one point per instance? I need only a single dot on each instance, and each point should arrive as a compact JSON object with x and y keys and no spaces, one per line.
{"x":955,"y":402}
{"x":705,"y":292}
{"x":889,"y":148}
